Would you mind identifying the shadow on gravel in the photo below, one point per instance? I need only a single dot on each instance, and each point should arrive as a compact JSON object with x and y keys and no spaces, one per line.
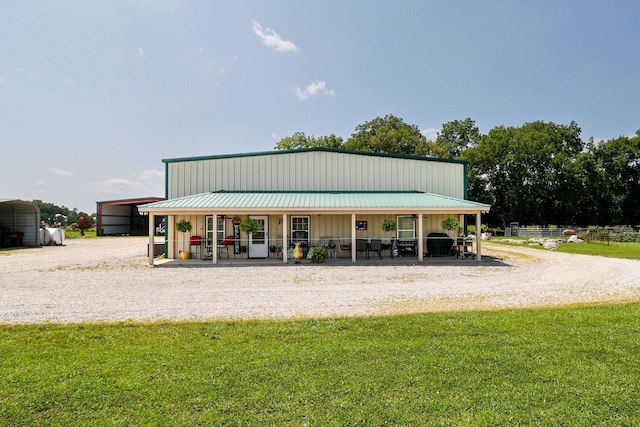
{"x":487,"y":261}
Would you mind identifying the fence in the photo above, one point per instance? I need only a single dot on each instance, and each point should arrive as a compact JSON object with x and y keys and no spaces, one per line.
{"x":551,"y":233}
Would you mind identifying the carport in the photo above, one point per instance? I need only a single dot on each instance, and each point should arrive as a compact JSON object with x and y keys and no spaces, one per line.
{"x":19,"y":223}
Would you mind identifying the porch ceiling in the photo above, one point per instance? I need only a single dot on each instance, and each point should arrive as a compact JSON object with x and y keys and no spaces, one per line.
{"x":312,"y":201}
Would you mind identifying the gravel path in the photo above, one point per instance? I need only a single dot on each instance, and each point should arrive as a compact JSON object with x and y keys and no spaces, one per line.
{"x":107,"y":279}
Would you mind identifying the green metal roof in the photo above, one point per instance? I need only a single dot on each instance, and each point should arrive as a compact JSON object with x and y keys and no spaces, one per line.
{"x":312,"y":149}
{"x":324,"y":201}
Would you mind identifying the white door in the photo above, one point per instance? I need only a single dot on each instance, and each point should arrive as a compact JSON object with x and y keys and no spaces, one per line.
{"x":259,"y":242}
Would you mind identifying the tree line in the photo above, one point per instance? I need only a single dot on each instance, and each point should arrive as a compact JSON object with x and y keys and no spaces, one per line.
{"x":539,"y":173}
{"x":53,"y":215}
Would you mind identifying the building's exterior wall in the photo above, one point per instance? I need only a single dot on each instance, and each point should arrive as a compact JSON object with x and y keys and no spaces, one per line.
{"x":334,"y":226}
{"x":314,"y":171}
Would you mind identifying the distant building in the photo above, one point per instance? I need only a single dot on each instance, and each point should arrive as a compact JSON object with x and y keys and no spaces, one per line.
{"x":19,"y":223}
{"x":121,"y":217}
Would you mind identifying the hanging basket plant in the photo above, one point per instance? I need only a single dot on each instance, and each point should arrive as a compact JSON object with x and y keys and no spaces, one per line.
{"x":249,"y":226}
{"x":389,"y":225}
{"x":183,"y":225}
{"x":450,"y":224}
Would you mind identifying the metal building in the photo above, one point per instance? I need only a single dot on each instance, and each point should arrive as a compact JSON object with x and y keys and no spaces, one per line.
{"x":121,"y":217}
{"x":311,"y":196}
{"x":19,"y":223}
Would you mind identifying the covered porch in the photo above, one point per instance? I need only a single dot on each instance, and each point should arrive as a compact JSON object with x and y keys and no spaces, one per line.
{"x":343,"y":222}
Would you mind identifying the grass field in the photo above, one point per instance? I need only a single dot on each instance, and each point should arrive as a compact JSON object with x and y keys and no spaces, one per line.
{"x":599,"y":248}
{"x":570,"y":366}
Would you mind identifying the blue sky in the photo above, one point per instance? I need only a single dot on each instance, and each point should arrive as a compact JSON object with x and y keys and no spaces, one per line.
{"x":94,"y":94}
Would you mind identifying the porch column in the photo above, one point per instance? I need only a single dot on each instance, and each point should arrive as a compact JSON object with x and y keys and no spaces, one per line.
{"x":420,"y":239}
{"x":214,"y":239}
{"x":152,"y":233}
{"x":285,"y":239}
{"x":353,"y":237}
{"x":170,"y":234}
{"x":478,"y":235}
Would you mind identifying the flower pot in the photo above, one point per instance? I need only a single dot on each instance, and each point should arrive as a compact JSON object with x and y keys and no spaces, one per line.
{"x":184,"y":255}
{"x":297,"y":253}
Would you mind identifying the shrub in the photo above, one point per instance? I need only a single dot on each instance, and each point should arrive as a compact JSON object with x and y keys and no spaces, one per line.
{"x":319,"y":254}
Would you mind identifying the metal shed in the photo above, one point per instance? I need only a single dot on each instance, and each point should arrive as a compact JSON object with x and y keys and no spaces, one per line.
{"x":19,"y":223}
{"x":121,"y":217}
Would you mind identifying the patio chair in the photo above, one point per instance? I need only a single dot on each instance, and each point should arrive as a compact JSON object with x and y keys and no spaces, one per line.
{"x":388,"y":247}
{"x":362,"y":246}
{"x":375,"y":246}
{"x":344,"y":246}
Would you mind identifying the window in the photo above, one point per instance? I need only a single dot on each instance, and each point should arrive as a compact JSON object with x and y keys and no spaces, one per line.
{"x":406,"y":227}
{"x":219,"y":231}
{"x":300,"y":229}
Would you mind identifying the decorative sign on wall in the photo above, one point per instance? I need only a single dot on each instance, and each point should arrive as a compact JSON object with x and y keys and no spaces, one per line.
{"x":361,"y":225}
{"x":236,"y":238}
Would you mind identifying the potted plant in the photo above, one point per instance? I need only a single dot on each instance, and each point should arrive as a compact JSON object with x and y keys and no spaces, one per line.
{"x":450,"y":224}
{"x":249,"y":226}
{"x":389,"y":225}
{"x":184,"y":226}
{"x":319,"y":254}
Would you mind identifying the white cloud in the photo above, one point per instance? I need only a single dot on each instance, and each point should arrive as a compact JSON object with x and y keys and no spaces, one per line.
{"x":140,"y":186}
{"x":430,"y":133}
{"x":40,"y":183}
{"x":141,"y":52}
{"x":149,"y":175}
{"x":272,"y":39}
{"x":313,"y":89}
{"x":60,"y":172}
{"x":1,"y":80}
{"x":274,"y":135}
{"x":118,"y":186}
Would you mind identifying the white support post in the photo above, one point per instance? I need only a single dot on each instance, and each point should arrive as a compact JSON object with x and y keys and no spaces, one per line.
{"x":420,"y":239}
{"x":170,"y":232}
{"x":285,"y":239}
{"x":152,"y":233}
{"x":214,"y":239}
{"x":478,"y":235}
{"x":353,"y":237}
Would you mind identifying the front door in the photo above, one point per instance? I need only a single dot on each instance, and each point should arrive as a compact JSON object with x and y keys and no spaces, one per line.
{"x":259,"y":242}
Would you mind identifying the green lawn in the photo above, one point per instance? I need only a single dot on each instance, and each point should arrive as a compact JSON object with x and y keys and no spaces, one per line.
{"x":600,"y":248}
{"x":570,"y":366}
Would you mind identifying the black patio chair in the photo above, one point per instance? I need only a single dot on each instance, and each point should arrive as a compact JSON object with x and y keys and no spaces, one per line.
{"x":362,"y":246}
{"x":344,"y":246}
{"x":388,"y":247}
{"x":375,"y":246}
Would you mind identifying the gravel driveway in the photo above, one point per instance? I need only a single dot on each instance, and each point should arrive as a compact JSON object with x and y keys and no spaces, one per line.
{"x":107,"y":279}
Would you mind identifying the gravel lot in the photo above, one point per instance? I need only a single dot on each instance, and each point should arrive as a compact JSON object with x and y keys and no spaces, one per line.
{"x":107,"y":279}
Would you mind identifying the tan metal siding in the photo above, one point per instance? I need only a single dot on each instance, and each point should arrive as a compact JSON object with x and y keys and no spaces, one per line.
{"x":315,"y":171}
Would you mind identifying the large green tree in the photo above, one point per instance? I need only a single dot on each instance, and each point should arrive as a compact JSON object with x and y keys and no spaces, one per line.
{"x":300,"y":140}
{"x":456,"y":137}
{"x":619,"y":160}
{"x":390,"y":135}
{"x":526,"y":172}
